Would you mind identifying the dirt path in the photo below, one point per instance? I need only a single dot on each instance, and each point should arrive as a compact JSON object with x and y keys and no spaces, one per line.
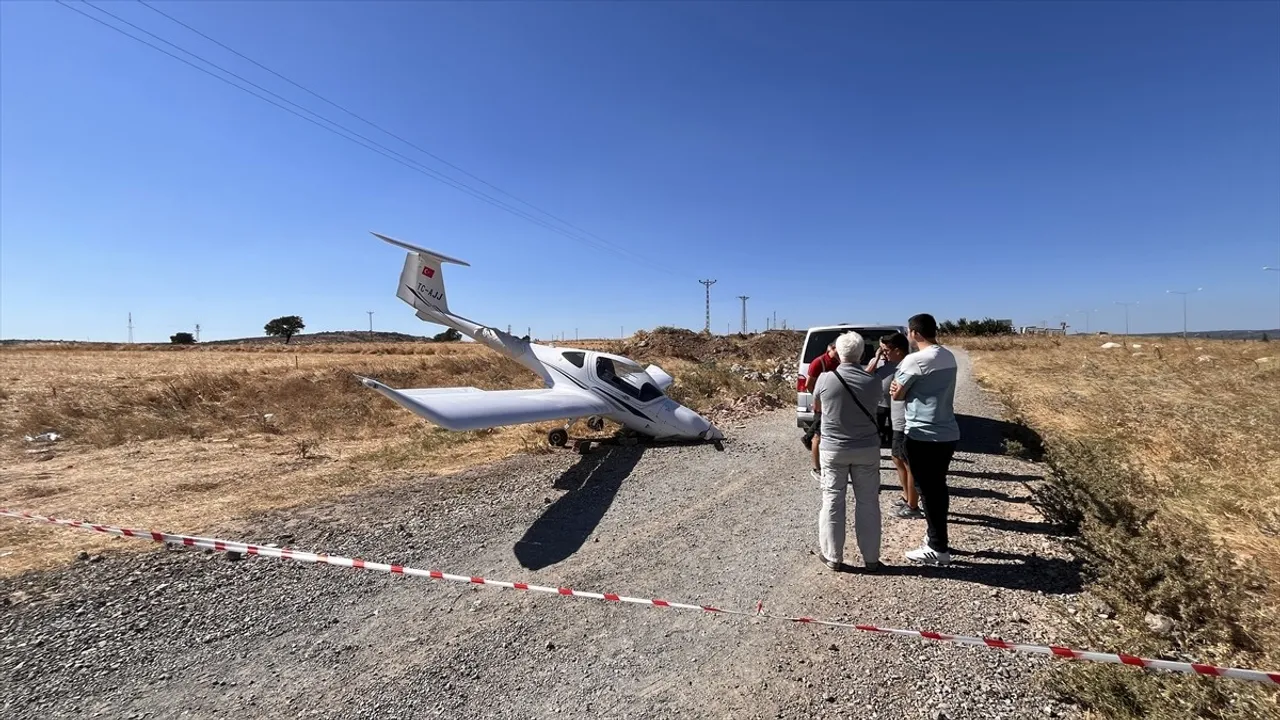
{"x":183,"y":633}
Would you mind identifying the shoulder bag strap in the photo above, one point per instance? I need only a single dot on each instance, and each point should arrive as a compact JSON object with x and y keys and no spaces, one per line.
{"x":855,"y":398}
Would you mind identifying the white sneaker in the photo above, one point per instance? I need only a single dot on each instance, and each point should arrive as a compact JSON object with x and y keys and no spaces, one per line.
{"x":926,"y":555}
{"x":817,"y":476}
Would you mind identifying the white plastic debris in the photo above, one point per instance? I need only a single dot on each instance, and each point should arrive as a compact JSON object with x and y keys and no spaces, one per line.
{"x":50,"y":436}
{"x":1110,"y":345}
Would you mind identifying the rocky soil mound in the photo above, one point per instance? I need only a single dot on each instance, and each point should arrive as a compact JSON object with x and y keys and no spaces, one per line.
{"x":689,"y":345}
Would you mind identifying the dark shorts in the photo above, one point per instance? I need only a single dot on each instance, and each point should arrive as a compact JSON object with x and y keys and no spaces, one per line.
{"x":812,"y":431}
{"x":885,"y":426}
{"x":899,"y":445}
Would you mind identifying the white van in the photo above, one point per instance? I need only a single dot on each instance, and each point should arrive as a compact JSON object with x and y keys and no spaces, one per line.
{"x":816,"y":341}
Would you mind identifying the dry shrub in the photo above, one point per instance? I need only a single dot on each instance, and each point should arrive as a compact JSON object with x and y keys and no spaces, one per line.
{"x":1166,"y":466}
{"x":1141,"y":560}
{"x":706,"y":385}
{"x":328,"y":402}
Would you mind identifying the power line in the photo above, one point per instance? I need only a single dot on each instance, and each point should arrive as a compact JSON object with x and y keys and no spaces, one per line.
{"x":371,"y":123}
{"x":368,"y":143}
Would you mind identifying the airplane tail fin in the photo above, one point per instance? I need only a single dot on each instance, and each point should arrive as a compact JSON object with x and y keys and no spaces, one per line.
{"x":421,"y":280}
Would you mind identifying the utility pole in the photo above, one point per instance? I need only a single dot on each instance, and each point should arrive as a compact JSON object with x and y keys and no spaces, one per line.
{"x":197,"y":332}
{"x":1126,"y":315}
{"x":1273,"y":269}
{"x":1086,"y":319}
{"x":775,"y":320}
{"x":1184,"y":294}
{"x":707,"y":327}
{"x":744,"y":298}
{"x":370,"y":321}
{"x":130,"y":328}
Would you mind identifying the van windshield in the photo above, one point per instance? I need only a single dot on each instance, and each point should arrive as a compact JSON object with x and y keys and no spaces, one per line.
{"x":819,"y":340}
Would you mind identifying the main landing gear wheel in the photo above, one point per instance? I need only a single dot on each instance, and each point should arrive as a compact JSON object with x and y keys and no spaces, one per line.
{"x":595,"y":423}
{"x":558,"y":437}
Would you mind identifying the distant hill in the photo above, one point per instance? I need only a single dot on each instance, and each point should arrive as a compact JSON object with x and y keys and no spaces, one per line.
{"x":332,"y":336}
{"x":329,"y":337}
{"x":1216,"y":334}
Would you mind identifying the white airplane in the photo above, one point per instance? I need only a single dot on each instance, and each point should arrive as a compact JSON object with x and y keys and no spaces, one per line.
{"x":579,"y":383}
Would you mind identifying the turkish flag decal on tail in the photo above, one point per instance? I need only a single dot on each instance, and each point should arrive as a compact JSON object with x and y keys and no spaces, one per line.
{"x":429,"y":271}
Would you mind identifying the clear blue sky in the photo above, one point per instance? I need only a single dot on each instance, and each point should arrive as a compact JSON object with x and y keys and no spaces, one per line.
{"x":835,"y":162}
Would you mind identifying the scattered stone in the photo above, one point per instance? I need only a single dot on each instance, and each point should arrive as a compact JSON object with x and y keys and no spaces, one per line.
{"x":1159,"y":624}
{"x":1100,"y":607}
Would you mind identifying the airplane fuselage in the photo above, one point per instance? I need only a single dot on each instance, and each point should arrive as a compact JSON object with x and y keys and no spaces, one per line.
{"x":611,"y":386}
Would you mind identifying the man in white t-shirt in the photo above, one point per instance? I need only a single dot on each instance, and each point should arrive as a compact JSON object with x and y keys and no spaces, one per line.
{"x":926,"y":381}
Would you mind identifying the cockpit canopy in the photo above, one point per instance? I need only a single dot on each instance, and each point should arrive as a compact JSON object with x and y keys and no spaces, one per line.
{"x":628,"y":377}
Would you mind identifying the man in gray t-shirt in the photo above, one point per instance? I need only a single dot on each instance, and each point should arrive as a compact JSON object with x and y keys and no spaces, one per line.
{"x":849,"y":453}
{"x":893,"y":349}
{"x":883,"y":367}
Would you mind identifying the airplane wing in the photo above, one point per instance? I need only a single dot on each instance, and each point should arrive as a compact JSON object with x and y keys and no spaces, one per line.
{"x":468,"y":408}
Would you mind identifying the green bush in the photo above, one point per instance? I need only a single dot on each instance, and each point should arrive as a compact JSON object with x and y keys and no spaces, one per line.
{"x":974,"y":328}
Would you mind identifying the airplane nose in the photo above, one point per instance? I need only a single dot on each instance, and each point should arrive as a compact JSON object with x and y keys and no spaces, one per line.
{"x":696,"y":425}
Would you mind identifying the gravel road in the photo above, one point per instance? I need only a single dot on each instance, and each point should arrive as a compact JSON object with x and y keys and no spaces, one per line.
{"x":183,"y":633}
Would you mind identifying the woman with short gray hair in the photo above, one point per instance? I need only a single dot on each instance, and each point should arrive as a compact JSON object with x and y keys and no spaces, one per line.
{"x":849,"y":454}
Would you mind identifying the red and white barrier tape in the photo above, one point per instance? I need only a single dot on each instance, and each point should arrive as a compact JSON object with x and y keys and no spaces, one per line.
{"x":301,"y":556}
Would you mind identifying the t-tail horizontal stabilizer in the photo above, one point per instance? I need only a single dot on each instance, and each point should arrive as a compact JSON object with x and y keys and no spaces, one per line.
{"x":422,"y":280}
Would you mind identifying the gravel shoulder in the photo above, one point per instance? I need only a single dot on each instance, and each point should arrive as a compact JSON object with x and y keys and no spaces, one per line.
{"x":182,"y":633}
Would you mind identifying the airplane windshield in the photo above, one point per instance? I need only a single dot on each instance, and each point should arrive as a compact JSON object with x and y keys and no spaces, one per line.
{"x":629,"y":378}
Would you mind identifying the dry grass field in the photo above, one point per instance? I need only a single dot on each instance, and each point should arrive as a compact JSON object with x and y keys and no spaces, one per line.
{"x":184,"y":438}
{"x":1167,"y":461}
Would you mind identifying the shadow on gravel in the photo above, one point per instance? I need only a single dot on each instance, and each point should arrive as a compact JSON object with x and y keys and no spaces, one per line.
{"x":997,"y":437}
{"x":1006,"y":525}
{"x":1012,"y":571}
{"x":995,"y":476}
{"x":968,"y":492}
{"x":566,"y":524}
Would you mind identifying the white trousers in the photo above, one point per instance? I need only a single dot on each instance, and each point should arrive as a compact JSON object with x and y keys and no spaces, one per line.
{"x":862,"y":466}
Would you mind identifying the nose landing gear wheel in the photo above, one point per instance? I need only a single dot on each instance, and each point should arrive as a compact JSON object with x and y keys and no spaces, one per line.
{"x":558,"y":437}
